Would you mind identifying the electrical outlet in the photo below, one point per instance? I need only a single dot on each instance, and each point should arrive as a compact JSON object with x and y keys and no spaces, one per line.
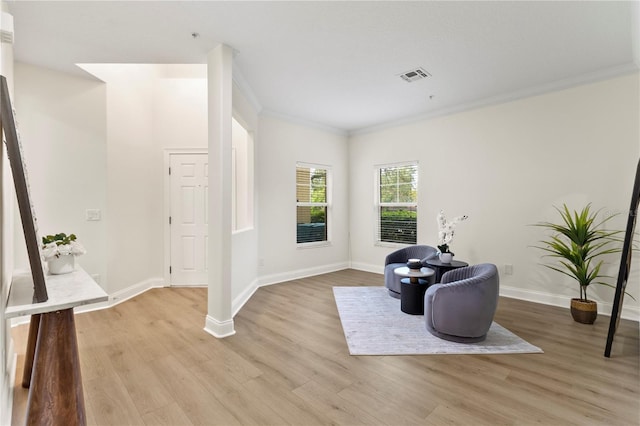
{"x":508,"y":269}
{"x":93,"y":214}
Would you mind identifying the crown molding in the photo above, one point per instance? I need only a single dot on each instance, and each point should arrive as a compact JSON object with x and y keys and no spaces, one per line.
{"x":567,"y":83}
{"x":245,"y":89}
{"x":303,"y":122}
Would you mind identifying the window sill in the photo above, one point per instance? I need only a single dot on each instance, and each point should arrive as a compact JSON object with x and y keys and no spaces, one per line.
{"x":241,"y":231}
{"x":392,"y":245}
{"x":303,"y":246}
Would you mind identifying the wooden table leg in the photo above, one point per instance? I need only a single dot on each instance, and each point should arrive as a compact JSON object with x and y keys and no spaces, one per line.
{"x":31,"y":350}
{"x":55,"y":394}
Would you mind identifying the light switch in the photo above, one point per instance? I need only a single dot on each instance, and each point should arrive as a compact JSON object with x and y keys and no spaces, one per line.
{"x":93,"y":214}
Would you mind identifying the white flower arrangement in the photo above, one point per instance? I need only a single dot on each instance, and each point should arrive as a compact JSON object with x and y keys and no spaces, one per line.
{"x":54,"y":246}
{"x":446,"y":230}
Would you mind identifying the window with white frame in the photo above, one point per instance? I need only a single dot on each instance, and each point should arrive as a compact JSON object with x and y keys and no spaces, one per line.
{"x":312,"y":203}
{"x":397,"y":203}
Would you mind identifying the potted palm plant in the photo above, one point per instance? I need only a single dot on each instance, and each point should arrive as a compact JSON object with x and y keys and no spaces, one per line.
{"x":578,"y":242}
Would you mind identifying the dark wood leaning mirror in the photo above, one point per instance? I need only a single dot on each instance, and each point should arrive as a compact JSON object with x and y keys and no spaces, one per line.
{"x":625,"y":263}
{"x":14,"y":152}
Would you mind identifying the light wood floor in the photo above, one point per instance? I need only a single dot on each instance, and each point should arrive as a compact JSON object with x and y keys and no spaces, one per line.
{"x":148,"y":361}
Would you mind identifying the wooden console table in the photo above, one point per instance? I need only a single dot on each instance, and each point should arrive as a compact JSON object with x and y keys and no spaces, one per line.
{"x":52,"y":364}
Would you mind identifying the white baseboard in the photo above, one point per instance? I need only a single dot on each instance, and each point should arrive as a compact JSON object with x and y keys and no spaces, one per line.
{"x":301,"y":273}
{"x":222,"y":329}
{"x":132,"y":291}
{"x":114,"y":299}
{"x":604,"y":308}
{"x":239,"y":301}
{"x":219,"y":329}
{"x":367,"y":267}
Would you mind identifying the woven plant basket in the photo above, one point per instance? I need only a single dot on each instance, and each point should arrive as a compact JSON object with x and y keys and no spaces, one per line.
{"x":584,"y":311}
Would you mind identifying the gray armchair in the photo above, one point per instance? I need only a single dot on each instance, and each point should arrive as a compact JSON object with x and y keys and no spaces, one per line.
{"x":399,"y":258}
{"x":462,"y":306}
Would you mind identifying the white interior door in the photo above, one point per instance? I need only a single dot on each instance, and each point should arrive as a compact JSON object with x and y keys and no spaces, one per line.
{"x":188,"y":220}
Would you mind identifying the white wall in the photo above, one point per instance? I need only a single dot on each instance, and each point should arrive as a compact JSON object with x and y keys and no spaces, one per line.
{"x":7,"y":358}
{"x":282,"y":144}
{"x":134,"y":242}
{"x":244,"y":244}
{"x":175,"y":117}
{"x":179,"y":115}
{"x":506,"y":166}
{"x":92,"y":145}
{"x":62,"y":123}
{"x":114,"y":136}
{"x":149,"y":109}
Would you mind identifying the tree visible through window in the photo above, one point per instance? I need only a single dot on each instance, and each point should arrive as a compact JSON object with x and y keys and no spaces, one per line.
{"x":311,"y":203}
{"x":398,"y":203}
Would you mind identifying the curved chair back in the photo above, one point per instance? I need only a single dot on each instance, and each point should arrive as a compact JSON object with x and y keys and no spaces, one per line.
{"x":421,"y":252}
{"x":399,"y":258}
{"x":461,"y":308}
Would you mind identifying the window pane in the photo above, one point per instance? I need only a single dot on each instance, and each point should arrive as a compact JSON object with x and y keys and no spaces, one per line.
{"x":303,"y":185}
{"x":398,"y":185}
{"x":398,"y":224}
{"x":318,"y":194}
{"x":312,"y":224}
{"x":303,"y":175}
{"x":406,"y":193}
{"x":388,"y":193}
{"x":311,"y":187}
{"x":318,"y":177}
{"x":303,"y":194}
{"x":407,"y":174}
{"x":388,"y":176}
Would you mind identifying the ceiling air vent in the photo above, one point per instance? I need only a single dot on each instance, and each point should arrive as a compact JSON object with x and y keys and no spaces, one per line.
{"x":415,"y":74}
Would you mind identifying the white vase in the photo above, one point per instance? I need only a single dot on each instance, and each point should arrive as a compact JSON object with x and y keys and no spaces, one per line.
{"x":446,"y":257}
{"x":63,"y":264}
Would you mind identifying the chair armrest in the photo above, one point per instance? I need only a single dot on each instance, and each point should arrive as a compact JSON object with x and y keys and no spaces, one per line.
{"x":462,"y":308}
{"x":398,"y":256}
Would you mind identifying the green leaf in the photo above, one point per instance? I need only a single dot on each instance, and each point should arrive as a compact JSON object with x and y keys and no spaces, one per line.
{"x":577,"y":241}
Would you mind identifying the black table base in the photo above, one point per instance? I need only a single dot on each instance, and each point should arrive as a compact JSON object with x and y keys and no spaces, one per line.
{"x":412,"y":296}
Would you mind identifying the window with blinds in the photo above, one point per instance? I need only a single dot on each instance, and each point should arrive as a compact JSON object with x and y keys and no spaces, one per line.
{"x":397,"y":203}
{"x":312,"y":204}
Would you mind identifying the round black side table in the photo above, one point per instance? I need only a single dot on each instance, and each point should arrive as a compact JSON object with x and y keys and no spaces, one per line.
{"x":441,"y":267}
{"x":412,"y":288}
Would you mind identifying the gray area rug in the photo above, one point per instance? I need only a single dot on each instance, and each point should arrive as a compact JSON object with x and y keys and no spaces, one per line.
{"x":373,"y":324}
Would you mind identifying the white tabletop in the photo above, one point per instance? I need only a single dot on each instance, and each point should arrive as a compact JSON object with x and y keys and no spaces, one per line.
{"x":65,"y":291}
{"x":404,"y":271}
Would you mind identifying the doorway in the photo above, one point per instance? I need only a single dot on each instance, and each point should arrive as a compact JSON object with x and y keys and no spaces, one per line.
{"x":188,"y":216}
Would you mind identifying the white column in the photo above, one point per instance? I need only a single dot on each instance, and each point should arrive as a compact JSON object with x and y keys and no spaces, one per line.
{"x":219,"y":321}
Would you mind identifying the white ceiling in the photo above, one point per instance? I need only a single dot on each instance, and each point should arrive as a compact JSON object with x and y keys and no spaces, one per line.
{"x":336,"y":64}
